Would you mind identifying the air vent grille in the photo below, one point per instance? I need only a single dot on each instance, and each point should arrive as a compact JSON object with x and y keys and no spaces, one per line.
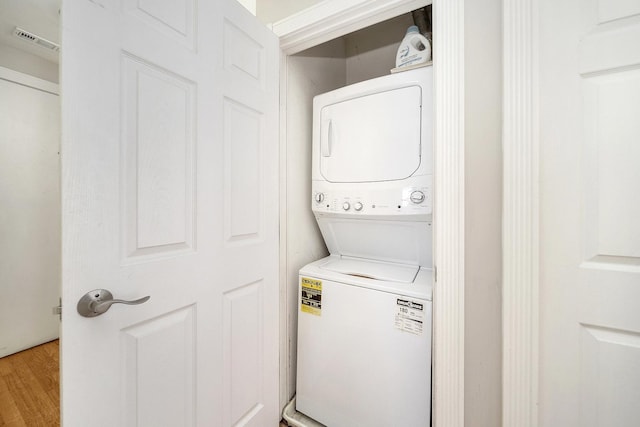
{"x":35,"y":39}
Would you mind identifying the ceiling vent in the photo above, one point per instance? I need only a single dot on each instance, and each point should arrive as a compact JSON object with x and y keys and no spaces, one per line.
{"x":32,"y":38}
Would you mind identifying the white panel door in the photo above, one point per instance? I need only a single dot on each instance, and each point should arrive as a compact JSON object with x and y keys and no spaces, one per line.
{"x":169,"y":188}
{"x":590,"y":213}
{"x":29,"y":214}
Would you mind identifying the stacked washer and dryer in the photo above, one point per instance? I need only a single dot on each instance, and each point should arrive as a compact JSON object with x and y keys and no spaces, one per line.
{"x":364,"y":318}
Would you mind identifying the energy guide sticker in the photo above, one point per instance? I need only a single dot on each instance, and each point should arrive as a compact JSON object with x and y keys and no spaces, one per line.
{"x":409,"y":316}
{"x":310,"y":296}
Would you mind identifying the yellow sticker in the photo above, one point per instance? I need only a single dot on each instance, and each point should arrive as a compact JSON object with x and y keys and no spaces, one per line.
{"x":310,"y":296}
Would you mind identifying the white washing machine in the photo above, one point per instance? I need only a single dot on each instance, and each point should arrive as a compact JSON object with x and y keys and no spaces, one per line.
{"x":364,"y":318}
{"x":364,"y":343}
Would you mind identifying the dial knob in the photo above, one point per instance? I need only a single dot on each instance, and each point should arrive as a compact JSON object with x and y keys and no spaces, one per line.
{"x":319,"y":197}
{"x":357,"y":206}
{"x":417,"y":197}
{"x":346,"y":206}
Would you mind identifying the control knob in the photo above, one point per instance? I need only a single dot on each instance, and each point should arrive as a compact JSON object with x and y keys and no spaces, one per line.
{"x":417,"y":197}
{"x":346,"y":206}
{"x":357,"y":206}
{"x":319,"y":197}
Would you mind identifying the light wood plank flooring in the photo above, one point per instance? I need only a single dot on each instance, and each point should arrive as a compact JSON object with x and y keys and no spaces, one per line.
{"x":30,"y":387}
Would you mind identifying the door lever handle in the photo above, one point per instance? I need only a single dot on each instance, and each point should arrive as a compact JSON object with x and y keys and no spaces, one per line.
{"x":98,"y":301}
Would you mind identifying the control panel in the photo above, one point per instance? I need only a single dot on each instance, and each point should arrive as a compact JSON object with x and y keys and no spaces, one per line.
{"x":409,"y":200}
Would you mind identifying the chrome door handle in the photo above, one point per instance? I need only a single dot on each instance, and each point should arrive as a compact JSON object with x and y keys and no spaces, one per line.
{"x":98,"y":301}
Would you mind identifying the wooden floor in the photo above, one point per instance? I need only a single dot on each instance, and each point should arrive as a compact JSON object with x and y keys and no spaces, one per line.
{"x":29,"y":387}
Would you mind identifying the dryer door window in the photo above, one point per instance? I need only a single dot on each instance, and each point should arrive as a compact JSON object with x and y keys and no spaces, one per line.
{"x":371,"y":138}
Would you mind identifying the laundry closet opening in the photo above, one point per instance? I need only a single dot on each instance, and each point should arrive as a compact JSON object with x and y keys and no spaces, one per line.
{"x":356,"y":57}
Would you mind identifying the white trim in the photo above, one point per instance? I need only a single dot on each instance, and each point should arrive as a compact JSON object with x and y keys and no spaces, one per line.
{"x":449,"y":220}
{"x":520,"y":215}
{"x":331,"y":19}
{"x":28,"y":80}
{"x":284,"y":306}
{"x":334,"y":18}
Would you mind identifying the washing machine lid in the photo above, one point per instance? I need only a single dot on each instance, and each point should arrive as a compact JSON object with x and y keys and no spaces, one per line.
{"x":370,"y":269}
{"x":394,"y":242}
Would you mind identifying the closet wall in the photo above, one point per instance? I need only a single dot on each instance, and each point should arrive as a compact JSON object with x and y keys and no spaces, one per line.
{"x":315,"y":71}
{"x":274,"y":10}
{"x":359,"y":56}
{"x":27,"y":63}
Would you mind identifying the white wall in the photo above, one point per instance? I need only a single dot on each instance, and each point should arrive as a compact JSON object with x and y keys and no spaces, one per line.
{"x":250,"y":5}
{"x":371,"y":52}
{"x":310,"y":73}
{"x":483,"y":207}
{"x":27,"y":63}
{"x":269,"y":11}
{"x":30,"y":213}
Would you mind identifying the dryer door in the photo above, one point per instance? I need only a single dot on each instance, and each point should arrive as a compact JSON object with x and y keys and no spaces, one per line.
{"x":371,"y":138}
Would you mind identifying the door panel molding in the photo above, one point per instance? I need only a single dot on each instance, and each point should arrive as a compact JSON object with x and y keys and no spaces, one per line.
{"x":608,"y":376}
{"x":158,"y":174}
{"x":150,"y":368}
{"x":520,"y":282}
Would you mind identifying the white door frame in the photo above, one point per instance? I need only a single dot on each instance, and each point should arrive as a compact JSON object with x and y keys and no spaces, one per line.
{"x":520,"y":280}
{"x":334,"y":18}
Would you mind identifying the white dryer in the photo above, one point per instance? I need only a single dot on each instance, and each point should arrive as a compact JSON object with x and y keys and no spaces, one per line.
{"x":364,"y":318}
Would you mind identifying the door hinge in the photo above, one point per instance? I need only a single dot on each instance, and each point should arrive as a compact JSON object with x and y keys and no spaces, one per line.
{"x":58,"y":309}
{"x":435,"y":274}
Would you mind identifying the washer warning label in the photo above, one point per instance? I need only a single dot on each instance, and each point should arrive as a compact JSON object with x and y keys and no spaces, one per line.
{"x":310,"y":296}
{"x":409,"y":316}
